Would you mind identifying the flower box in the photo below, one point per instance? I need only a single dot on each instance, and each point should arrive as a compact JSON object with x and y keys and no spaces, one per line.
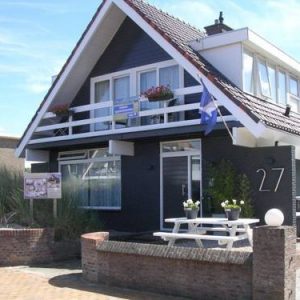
{"x":159,"y":93}
{"x":62,"y":110}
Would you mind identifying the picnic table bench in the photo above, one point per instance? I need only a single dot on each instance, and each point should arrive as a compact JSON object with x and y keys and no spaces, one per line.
{"x":237,"y":230}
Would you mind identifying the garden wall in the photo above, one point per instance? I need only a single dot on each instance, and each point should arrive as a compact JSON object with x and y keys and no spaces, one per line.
{"x":266,"y":273}
{"x":31,"y":246}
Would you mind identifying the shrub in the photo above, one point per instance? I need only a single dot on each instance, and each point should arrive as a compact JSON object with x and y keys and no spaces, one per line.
{"x":226,"y":183}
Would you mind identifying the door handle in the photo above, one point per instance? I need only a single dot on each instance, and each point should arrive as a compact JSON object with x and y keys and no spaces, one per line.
{"x":183,"y":189}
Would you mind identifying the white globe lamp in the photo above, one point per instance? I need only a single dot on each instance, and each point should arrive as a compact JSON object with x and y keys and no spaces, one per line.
{"x":274,"y":217}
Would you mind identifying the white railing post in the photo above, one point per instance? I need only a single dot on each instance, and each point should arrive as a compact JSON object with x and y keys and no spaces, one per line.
{"x":70,"y":122}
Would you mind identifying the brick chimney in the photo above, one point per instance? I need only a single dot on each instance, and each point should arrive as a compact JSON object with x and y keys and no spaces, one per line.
{"x":218,"y":27}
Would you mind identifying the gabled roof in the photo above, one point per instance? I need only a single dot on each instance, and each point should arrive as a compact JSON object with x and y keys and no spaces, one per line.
{"x":178,"y":35}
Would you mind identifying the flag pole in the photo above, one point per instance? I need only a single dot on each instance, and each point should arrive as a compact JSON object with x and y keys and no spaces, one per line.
{"x":219,"y":112}
{"x":223,"y":120}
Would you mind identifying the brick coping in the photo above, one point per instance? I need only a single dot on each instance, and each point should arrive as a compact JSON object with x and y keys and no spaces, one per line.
{"x":184,"y":253}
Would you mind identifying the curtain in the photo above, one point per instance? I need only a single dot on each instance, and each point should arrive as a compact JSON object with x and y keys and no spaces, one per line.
{"x":102,"y":94}
{"x":147,"y":80}
{"x":169,"y":77}
{"x":121,"y":89}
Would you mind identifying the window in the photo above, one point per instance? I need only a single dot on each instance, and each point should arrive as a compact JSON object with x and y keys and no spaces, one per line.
{"x":169,"y":76}
{"x":102,"y":94}
{"x":272,"y":80}
{"x":248,"y":73}
{"x":293,"y":86}
{"x":94,"y":182}
{"x":121,"y":89}
{"x":281,"y":88}
{"x":264,"y":79}
{"x":147,"y":80}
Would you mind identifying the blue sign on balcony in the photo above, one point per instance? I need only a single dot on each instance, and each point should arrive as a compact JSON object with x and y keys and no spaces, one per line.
{"x":126,"y":109}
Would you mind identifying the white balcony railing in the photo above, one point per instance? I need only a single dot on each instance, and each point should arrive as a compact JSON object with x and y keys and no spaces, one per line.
{"x":150,"y":116}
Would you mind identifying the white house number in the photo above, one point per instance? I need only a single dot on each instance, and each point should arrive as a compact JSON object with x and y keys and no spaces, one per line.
{"x":264,"y":172}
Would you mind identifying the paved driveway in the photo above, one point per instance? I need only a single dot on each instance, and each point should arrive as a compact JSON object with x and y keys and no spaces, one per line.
{"x":59,"y":282}
{"x":64,"y":281}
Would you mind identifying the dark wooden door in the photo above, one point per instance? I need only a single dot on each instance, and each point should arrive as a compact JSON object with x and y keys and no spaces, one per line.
{"x":175,"y":186}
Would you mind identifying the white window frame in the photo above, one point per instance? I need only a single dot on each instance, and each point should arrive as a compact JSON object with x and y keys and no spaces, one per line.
{"x":134,"y":78}
{"x":256,"y":80}
{"x":92,"y":160}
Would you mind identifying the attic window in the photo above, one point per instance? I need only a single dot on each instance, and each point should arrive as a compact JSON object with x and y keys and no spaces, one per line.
{"x":269,"y":81}
{"x":248,"y":73}
{"x":264,"y":79}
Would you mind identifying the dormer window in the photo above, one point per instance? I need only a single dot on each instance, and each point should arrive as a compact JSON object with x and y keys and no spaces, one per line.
{"x":264,"y":82}
{"x":273,"y":83}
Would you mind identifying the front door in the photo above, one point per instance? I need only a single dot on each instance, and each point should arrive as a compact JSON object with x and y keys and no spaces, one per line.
{"x":180,"y":177}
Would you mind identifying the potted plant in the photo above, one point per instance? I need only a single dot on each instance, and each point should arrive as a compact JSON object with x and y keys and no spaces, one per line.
{"x":191,"y":208}
{"x":61,"y":110}
{"x":232,"y":209}
{"x":158,"y":93}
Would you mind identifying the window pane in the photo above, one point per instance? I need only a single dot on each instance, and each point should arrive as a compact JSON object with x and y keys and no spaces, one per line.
{"x":102,"y":91}
{"x":121,"y":88}
{"x":169,"y":77}
{"x":272,"y":79}
{"x":281,"y":88}
{"x":105,"y":184}
{"x":74,"y":186}
{"x":294,"y":86}
{"x":147,"y":80}
{"x":248,"y":73}
{"x":102,"y":94}
{"x":181,"y":146}
{"x":263,"y":79}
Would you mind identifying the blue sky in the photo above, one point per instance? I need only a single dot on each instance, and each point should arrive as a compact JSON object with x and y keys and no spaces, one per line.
{"x":37,"y":36}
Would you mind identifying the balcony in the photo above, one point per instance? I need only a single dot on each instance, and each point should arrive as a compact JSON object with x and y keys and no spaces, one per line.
{"x":105,"y":118}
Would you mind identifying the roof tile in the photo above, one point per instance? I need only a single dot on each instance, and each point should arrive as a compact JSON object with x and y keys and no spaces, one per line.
{"x":180,"y":34}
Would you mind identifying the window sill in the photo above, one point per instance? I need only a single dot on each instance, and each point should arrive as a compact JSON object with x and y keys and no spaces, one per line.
{"x":101,"y":208}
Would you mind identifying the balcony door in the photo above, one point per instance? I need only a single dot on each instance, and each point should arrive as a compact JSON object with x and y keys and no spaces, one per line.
{"x":180,"y":177}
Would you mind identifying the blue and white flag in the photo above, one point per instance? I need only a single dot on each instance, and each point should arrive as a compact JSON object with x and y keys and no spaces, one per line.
{"x":208,"y":110}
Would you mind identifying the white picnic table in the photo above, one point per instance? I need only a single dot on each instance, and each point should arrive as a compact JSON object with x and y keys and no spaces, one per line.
{"x":237,"y":230}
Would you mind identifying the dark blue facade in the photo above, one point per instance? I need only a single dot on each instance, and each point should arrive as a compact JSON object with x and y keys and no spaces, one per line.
{"x":131,"y":47}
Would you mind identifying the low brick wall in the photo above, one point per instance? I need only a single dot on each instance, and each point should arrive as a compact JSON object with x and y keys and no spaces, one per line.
{"x":25,"y":246}
{"x":266,"y":273}
{"x":32,"y":246}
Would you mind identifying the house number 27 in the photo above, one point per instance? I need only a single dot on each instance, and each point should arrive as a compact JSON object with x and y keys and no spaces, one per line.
{"x":264,"y":174}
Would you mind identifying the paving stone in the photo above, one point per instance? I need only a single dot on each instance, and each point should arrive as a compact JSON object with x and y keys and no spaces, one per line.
{"x":59,"y":282}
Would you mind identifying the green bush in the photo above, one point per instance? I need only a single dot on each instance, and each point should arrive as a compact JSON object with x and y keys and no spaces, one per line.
{"x":10,"y":183}
{"x":225,"y":183}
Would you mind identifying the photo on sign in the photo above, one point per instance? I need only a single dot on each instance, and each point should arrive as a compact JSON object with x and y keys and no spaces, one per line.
{"x":42,"y":185}
{"x":35,"y":188}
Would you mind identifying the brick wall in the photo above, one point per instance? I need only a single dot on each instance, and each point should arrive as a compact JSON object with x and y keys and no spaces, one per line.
{"x":89,"y":254}
{"x":274,"y":263}
{"x":25,"y":246}
{"x":266,"y":273}
{"x":30,"y":246}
